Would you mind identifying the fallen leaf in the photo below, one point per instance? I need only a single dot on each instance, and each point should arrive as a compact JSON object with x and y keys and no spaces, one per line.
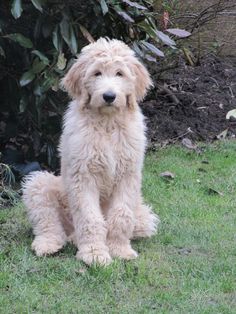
{"x":82,"y":270}
{"x":231,"y":113}
{"x":221,"y":106}
{"x":167,"y":175}
{"x":222,"y":135}
{"x":202,"y":170}
{"x":186,"y":142}
{"x":212,"y":191}
{"x":184,"y":251}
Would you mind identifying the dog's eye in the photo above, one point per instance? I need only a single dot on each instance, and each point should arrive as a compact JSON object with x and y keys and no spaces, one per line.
{"x":119,"y":73}
{"x":98,"y":73}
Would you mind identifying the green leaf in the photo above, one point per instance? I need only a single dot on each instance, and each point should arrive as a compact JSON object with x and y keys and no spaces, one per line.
{"x":41,"y":56}
{"x":61,"y":62}
{"x":165,"y":38}
{"x":48,"y":82}
{"x":65,"y":32}
{"x":38,"y":66}
{"x":56,"y":39}
{"x":178,"y":32}
{"x":73,"y":41}
{"x":16,"y":8}
{"x":137,"y":49}
{"x":126,"y":16}
{"x":38,"y":4}
{"x":20,"y":39}
{"x":26,"y":78}
{"x":55,"y":86}
{"x":150,"y":58}
{"x":153,"y":49}
{"x":148,"y":29}
{"x":2,"y":52}
{"x":103,"y":6}
{"x":23,"y":103}
{"x":68,"y":35}
{"x":134,"y":4}
{"x":37,"y":89}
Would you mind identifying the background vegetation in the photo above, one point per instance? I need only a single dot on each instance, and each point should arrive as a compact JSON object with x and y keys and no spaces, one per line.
{"x":39,"y":40}
{"x":38,"y":43}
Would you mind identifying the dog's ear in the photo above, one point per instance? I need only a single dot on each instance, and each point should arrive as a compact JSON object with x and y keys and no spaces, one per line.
{"x":143,"y":80}
{"x":72,"y":82}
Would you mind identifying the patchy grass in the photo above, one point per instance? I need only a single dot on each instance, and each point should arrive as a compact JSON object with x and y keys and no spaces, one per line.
{"x":189,"y":267}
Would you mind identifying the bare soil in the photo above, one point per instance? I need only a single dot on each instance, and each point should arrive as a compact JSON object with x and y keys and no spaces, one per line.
{"x":193,"y":103}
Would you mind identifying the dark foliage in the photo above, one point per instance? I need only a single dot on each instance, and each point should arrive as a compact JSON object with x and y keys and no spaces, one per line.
{"x":38,"y":42}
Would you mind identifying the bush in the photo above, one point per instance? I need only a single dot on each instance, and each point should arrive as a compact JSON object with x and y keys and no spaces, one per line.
{"x":39,"y":40}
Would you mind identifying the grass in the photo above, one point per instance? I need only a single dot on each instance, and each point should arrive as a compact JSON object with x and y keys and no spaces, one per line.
{"x":188,"y":267}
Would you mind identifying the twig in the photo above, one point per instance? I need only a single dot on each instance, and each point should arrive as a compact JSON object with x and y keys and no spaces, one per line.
{"x":213,"y":79}
{"x":231,"y":92}
{"x":169,"y":93}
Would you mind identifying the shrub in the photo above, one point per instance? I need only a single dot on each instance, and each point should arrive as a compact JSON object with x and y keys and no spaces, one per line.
{"x":39,"y":40}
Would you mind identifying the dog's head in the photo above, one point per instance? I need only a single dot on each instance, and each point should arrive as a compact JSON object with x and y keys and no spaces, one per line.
{"x":107,"y":76}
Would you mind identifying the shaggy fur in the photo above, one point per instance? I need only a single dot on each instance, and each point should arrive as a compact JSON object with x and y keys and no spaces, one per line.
{"x":96,"y":202}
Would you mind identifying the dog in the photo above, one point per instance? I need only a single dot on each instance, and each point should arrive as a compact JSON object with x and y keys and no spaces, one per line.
{"x":96,"y":201}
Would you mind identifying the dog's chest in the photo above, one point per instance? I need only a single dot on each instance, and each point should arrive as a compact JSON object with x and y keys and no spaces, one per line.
{"x":115,"y":153}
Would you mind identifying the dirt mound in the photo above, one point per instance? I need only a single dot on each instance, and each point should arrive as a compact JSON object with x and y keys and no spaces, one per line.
{"x":193,"y":102}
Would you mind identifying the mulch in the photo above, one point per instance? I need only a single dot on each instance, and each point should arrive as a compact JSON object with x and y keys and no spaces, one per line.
{"x":192,"y":102}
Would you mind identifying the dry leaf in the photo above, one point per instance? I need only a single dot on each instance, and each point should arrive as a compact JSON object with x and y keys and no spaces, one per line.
{"x":165,"y":19}
{"x":188,"y":143}
{"x":86,"y":34}
{"x":231,"y":113}
{"x":184,"y":251}
{"x":222,"y":135}
{"x":167,"y":175}
{"x":82,"y":270}
{"x":212,"y":191}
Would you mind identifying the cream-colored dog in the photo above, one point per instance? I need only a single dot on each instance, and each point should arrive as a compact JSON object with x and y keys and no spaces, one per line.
{"x":96,"y":201}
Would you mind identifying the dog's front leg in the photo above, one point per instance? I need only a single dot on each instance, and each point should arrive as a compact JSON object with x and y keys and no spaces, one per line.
{"x":89,"y":224}
{"x":120,"y":217}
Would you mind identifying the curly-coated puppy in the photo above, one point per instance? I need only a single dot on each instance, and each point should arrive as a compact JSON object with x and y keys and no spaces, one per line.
{"x":96,"y":201}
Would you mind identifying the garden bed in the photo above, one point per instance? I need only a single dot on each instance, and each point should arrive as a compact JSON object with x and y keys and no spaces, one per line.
{"x":194,"y":102}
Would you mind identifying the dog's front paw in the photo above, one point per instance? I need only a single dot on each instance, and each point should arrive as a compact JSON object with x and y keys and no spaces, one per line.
{"x":124,"y":251}
{"x":46,"y":246}
{"x":92,"y":254}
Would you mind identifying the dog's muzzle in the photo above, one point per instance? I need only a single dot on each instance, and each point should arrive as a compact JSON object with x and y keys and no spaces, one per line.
{"x":109,"y":97}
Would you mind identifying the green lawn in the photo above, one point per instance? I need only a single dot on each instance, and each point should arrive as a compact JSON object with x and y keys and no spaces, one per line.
{"x":188,"y":267}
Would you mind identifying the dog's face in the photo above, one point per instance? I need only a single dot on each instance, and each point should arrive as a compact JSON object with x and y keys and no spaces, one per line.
{"x":109,"y":84}
{"x":107,"y":77}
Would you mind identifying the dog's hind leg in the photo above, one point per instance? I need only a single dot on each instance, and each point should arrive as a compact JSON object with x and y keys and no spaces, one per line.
{"x":41,"y":195}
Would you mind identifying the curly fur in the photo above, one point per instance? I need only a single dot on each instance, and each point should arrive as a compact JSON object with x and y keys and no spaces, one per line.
{"x":96,"y":201}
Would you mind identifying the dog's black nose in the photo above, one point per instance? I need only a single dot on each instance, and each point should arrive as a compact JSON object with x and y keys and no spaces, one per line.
{"x":109,"y":97}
